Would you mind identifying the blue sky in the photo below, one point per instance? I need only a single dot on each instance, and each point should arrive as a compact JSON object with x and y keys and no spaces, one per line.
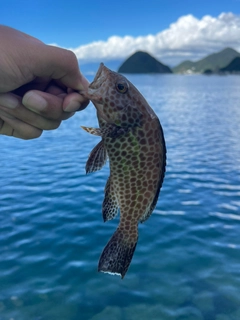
{"x":72,"y":24}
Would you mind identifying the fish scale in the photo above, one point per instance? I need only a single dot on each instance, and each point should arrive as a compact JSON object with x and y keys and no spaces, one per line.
{"x":133,"y":140}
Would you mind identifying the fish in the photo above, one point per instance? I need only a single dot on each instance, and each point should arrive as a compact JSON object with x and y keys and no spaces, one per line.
{"x":132,"y":139}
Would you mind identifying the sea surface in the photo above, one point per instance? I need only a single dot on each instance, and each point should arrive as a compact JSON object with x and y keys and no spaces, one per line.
{"x":187,"y":262}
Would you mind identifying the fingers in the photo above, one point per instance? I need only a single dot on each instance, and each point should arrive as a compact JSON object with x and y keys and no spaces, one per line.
{"x":20,"y":112}
{"x":74,"y":102}
{"x":37,"y":111}
{"x":27,"y":116}
{"x":5,"y":128}
{"x":18,"y":129}
{"x":42,"y":85}
{"x":45,"y":104}
{"x":9,"y":100}
{"x":54,"y":107}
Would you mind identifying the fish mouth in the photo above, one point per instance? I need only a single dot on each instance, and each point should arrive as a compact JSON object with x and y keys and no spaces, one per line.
{"x":97,"y":75}
{"x":94,"y":90}
{"x":99,"y":78}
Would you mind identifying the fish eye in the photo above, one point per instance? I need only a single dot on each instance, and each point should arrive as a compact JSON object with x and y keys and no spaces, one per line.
{"x":122,"y":87}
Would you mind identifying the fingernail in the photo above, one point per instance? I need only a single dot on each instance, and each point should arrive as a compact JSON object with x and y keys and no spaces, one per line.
{"x":8,"y":100}
{"x":72,"y":106}
{"x":34,"y":101}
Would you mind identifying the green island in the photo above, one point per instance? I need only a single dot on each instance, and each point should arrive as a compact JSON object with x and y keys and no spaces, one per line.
{"x":226,"y":61}
{"x":143,"y":62}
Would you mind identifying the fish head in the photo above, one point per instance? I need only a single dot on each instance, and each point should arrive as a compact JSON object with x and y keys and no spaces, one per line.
{"x":116,"y":99}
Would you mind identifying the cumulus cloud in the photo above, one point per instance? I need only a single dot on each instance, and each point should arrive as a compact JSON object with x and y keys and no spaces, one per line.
{"x":187,"y":38}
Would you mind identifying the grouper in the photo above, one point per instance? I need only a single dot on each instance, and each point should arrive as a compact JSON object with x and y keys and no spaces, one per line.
{"x":133,"y":141}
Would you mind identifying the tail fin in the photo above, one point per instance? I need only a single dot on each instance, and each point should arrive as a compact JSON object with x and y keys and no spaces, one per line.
{"x":117,"y":255}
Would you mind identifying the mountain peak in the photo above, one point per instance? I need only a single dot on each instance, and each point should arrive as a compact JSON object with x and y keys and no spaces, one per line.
{"x":228,"y":50}
{"x":214,"y":62}
{"x":143,"y":62}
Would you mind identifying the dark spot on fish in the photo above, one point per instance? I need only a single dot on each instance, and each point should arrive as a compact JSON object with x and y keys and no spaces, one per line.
{"x":131,"y":120}
{"x":145,"y":201}
{"x":141,"y":134}
{"x":133,"y":198}
{"x":124,"y":117}
{"x":117,"y":145}
{"x":142,"y":164}
{"x":147,"y":194}
{"x":135,"y":163}
{"x":143,"y":141}
{"x":144,"y":149}
{"x":138,"y":205}
{"x":149,"y":133}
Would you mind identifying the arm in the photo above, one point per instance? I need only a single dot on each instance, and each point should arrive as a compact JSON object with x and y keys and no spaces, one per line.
{"x":40,"y":85}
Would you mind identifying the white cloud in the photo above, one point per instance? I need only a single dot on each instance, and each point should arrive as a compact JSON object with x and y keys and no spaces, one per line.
{"x":187,"y":38}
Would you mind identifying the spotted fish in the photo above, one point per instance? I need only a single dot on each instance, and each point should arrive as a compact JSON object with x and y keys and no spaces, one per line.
{"x":132,"y":138}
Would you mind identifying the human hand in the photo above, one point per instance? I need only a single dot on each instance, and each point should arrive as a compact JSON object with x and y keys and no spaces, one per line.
{"x":40,"y":85}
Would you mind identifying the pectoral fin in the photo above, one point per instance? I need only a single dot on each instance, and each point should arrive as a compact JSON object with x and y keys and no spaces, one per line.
{"x":110,"y":203}
{"x":97,"y":158}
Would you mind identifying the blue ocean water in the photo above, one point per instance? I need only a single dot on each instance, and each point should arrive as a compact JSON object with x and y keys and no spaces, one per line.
{"x":187,"y":262}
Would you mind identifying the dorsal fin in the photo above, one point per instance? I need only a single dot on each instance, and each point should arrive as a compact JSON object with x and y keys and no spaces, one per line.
{"x":147,"y":214}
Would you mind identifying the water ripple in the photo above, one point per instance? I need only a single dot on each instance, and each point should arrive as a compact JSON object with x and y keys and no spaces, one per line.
{"x":186,"y":264}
